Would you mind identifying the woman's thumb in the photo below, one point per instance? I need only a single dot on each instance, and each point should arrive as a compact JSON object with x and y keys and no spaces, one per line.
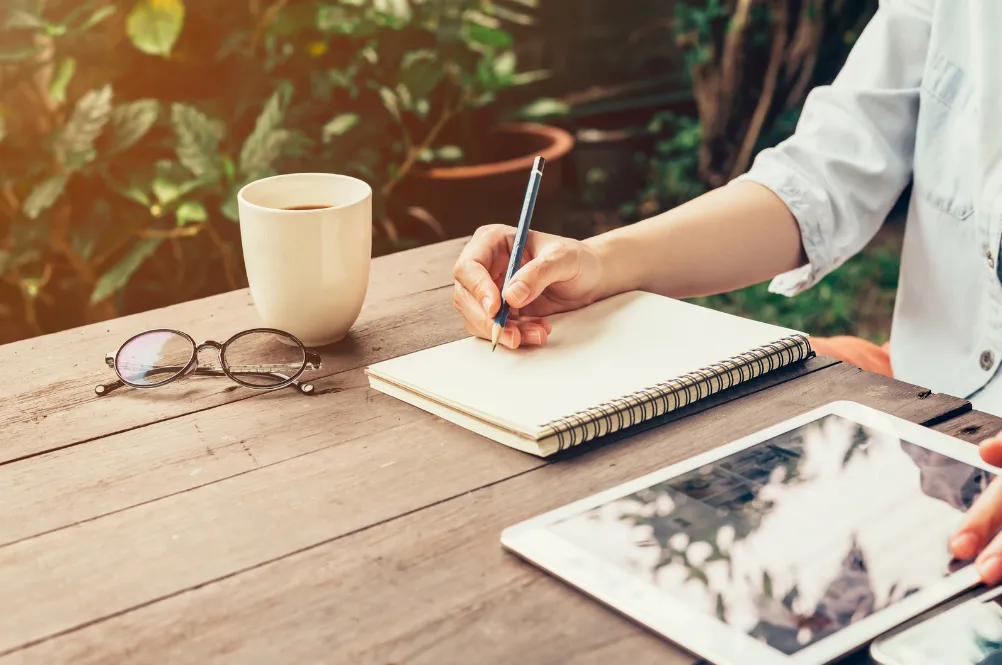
{"x":556,"y":264}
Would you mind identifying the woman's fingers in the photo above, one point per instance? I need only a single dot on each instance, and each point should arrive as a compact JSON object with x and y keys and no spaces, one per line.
{"x":989,"y":562}
{"x":473,"y":268}
{"x":533,"y":332}
{"x":477,"y":320}
{"x":517,"y":332}
{"x":991,"y":451}
{"x":983,"y":520}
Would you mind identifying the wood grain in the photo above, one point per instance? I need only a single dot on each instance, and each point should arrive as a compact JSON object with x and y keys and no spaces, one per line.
{"x":973,"y":426}
{"x":50,"y":402}
{"x":303,"y":561}
{"x":79,"y":483}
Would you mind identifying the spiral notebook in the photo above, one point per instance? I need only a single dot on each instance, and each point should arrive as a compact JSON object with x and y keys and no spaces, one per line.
{"x":615,"y":364}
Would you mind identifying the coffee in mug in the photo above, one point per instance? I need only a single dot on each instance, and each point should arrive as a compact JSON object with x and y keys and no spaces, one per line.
{"x":307,"y":244}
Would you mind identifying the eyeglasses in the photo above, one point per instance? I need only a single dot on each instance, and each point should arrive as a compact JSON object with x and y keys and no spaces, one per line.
{"x":261,"y":358}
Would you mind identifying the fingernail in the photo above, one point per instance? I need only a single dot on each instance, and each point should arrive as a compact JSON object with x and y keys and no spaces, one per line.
{"x":509,"y":337}
{"x":532,"y":337}
{"x":518,"y":292}
{"x":990,"y":569}
{"x":487,"y":305}
{"x":964,"y":545}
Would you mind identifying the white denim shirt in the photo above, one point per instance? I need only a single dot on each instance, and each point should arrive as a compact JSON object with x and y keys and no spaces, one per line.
{"x":919,"y":98}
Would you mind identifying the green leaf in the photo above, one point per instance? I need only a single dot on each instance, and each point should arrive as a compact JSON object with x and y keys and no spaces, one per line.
{"x":504,"y":66}
{"x":421,"y":72}
{"x":62,"y":78}
{"x":118,"y":276}
{"x":512,"y":16}
{"x":198,"y":140}
{"x":338,"y":125}
{"x":390,"y":102}
{"x":75,"y":145}
{"x":264,"y":144}
{"x":544,"y":108}
{"x":525,"y":78}
{"x":191,"y":211}
{"x":396,"y":13}
{"x":488,"y":36}
{"x":137,"y":195}
{"x":449,"y":153}
{"x":165,"y":191}
{"x":331,"y":18}
{"x":97,"y":17}
{"x":154,"y":25}
{"x":130,"y":122}
{"x":18,"y":53}
{"x":44,"y":195}
{"x":21,"y":18}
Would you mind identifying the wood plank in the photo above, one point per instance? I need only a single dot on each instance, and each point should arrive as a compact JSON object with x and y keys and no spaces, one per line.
{"x":405,"y":588}
{"x":973,"y":426}
{"x":50,"y":400}
{"x":80,"y":483}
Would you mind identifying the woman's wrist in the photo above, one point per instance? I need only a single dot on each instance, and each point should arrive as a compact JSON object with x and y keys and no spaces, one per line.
{"x":618,"y":264}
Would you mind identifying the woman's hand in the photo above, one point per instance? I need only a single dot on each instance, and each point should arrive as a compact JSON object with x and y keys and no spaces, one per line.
{"x":557,"y":274}
{"x":975,"y":536}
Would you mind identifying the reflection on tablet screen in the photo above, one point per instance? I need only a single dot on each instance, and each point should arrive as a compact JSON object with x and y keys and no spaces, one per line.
{"x":794,"y":538}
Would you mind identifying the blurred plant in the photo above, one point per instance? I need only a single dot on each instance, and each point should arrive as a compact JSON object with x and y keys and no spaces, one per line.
{"x":751,"y":64}
{"x":750,"y":61}
{"x":128,"y":126}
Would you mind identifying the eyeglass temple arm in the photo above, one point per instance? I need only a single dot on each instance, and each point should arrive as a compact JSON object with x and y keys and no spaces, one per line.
{"x":212,"y":370}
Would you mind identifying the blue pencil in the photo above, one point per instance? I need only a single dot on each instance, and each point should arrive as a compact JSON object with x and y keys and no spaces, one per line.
{"x":501,"y":318}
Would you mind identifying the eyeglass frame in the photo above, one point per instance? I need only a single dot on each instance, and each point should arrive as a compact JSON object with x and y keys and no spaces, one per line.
{"x":311,"y":361}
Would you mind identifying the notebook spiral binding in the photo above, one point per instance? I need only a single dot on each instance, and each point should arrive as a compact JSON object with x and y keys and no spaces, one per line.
{"x":662,"y":398}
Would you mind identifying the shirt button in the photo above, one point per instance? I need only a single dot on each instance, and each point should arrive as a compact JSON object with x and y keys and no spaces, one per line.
{"x":991,"y":260}
{"x":987,"y":360}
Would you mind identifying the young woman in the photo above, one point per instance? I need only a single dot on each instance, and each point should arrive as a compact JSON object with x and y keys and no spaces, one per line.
{"x":919,"y":99}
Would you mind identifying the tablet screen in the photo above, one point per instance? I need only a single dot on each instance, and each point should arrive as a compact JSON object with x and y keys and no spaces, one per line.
{"x":795,"y":538}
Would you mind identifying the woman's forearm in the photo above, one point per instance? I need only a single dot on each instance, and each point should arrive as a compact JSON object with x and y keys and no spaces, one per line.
{"x":727,"y":239}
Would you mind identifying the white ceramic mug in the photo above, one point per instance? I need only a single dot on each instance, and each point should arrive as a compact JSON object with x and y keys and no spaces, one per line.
{"x":308,"y":270}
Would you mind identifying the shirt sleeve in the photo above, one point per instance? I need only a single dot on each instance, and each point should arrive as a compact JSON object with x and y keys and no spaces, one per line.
{"x":850,"y":157}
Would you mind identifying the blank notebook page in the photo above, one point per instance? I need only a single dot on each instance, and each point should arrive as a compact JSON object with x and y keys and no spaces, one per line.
{"x":607,"y":350}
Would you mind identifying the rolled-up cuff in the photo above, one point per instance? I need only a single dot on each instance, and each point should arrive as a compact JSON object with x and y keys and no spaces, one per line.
{"x":814,"y":217}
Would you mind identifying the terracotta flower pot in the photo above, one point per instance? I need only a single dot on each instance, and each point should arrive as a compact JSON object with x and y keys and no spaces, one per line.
{"x":463,"y":198}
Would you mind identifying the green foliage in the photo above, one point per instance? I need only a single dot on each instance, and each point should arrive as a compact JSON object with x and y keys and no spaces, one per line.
{"x":127,"y":127}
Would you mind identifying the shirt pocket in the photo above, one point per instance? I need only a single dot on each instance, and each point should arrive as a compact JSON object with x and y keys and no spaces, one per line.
{"x":943,"y":140}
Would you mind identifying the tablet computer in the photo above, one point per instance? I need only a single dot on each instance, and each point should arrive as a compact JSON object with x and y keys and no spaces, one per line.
{"x":960,"y":633}
{"x":793,"y":546}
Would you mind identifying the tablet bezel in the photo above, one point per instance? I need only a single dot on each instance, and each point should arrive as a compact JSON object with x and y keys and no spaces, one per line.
{"x":702,"y":634}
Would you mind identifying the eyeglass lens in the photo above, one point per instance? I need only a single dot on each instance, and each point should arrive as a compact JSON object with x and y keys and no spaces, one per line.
{"x":263,"y":359}
{"x":154,"y":357}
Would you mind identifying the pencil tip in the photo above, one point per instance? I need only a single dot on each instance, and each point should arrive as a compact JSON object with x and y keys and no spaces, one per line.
{"x":495,"y":336}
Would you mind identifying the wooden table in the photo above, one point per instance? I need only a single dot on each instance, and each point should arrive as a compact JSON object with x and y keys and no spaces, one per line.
{"x":204,"y":522}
